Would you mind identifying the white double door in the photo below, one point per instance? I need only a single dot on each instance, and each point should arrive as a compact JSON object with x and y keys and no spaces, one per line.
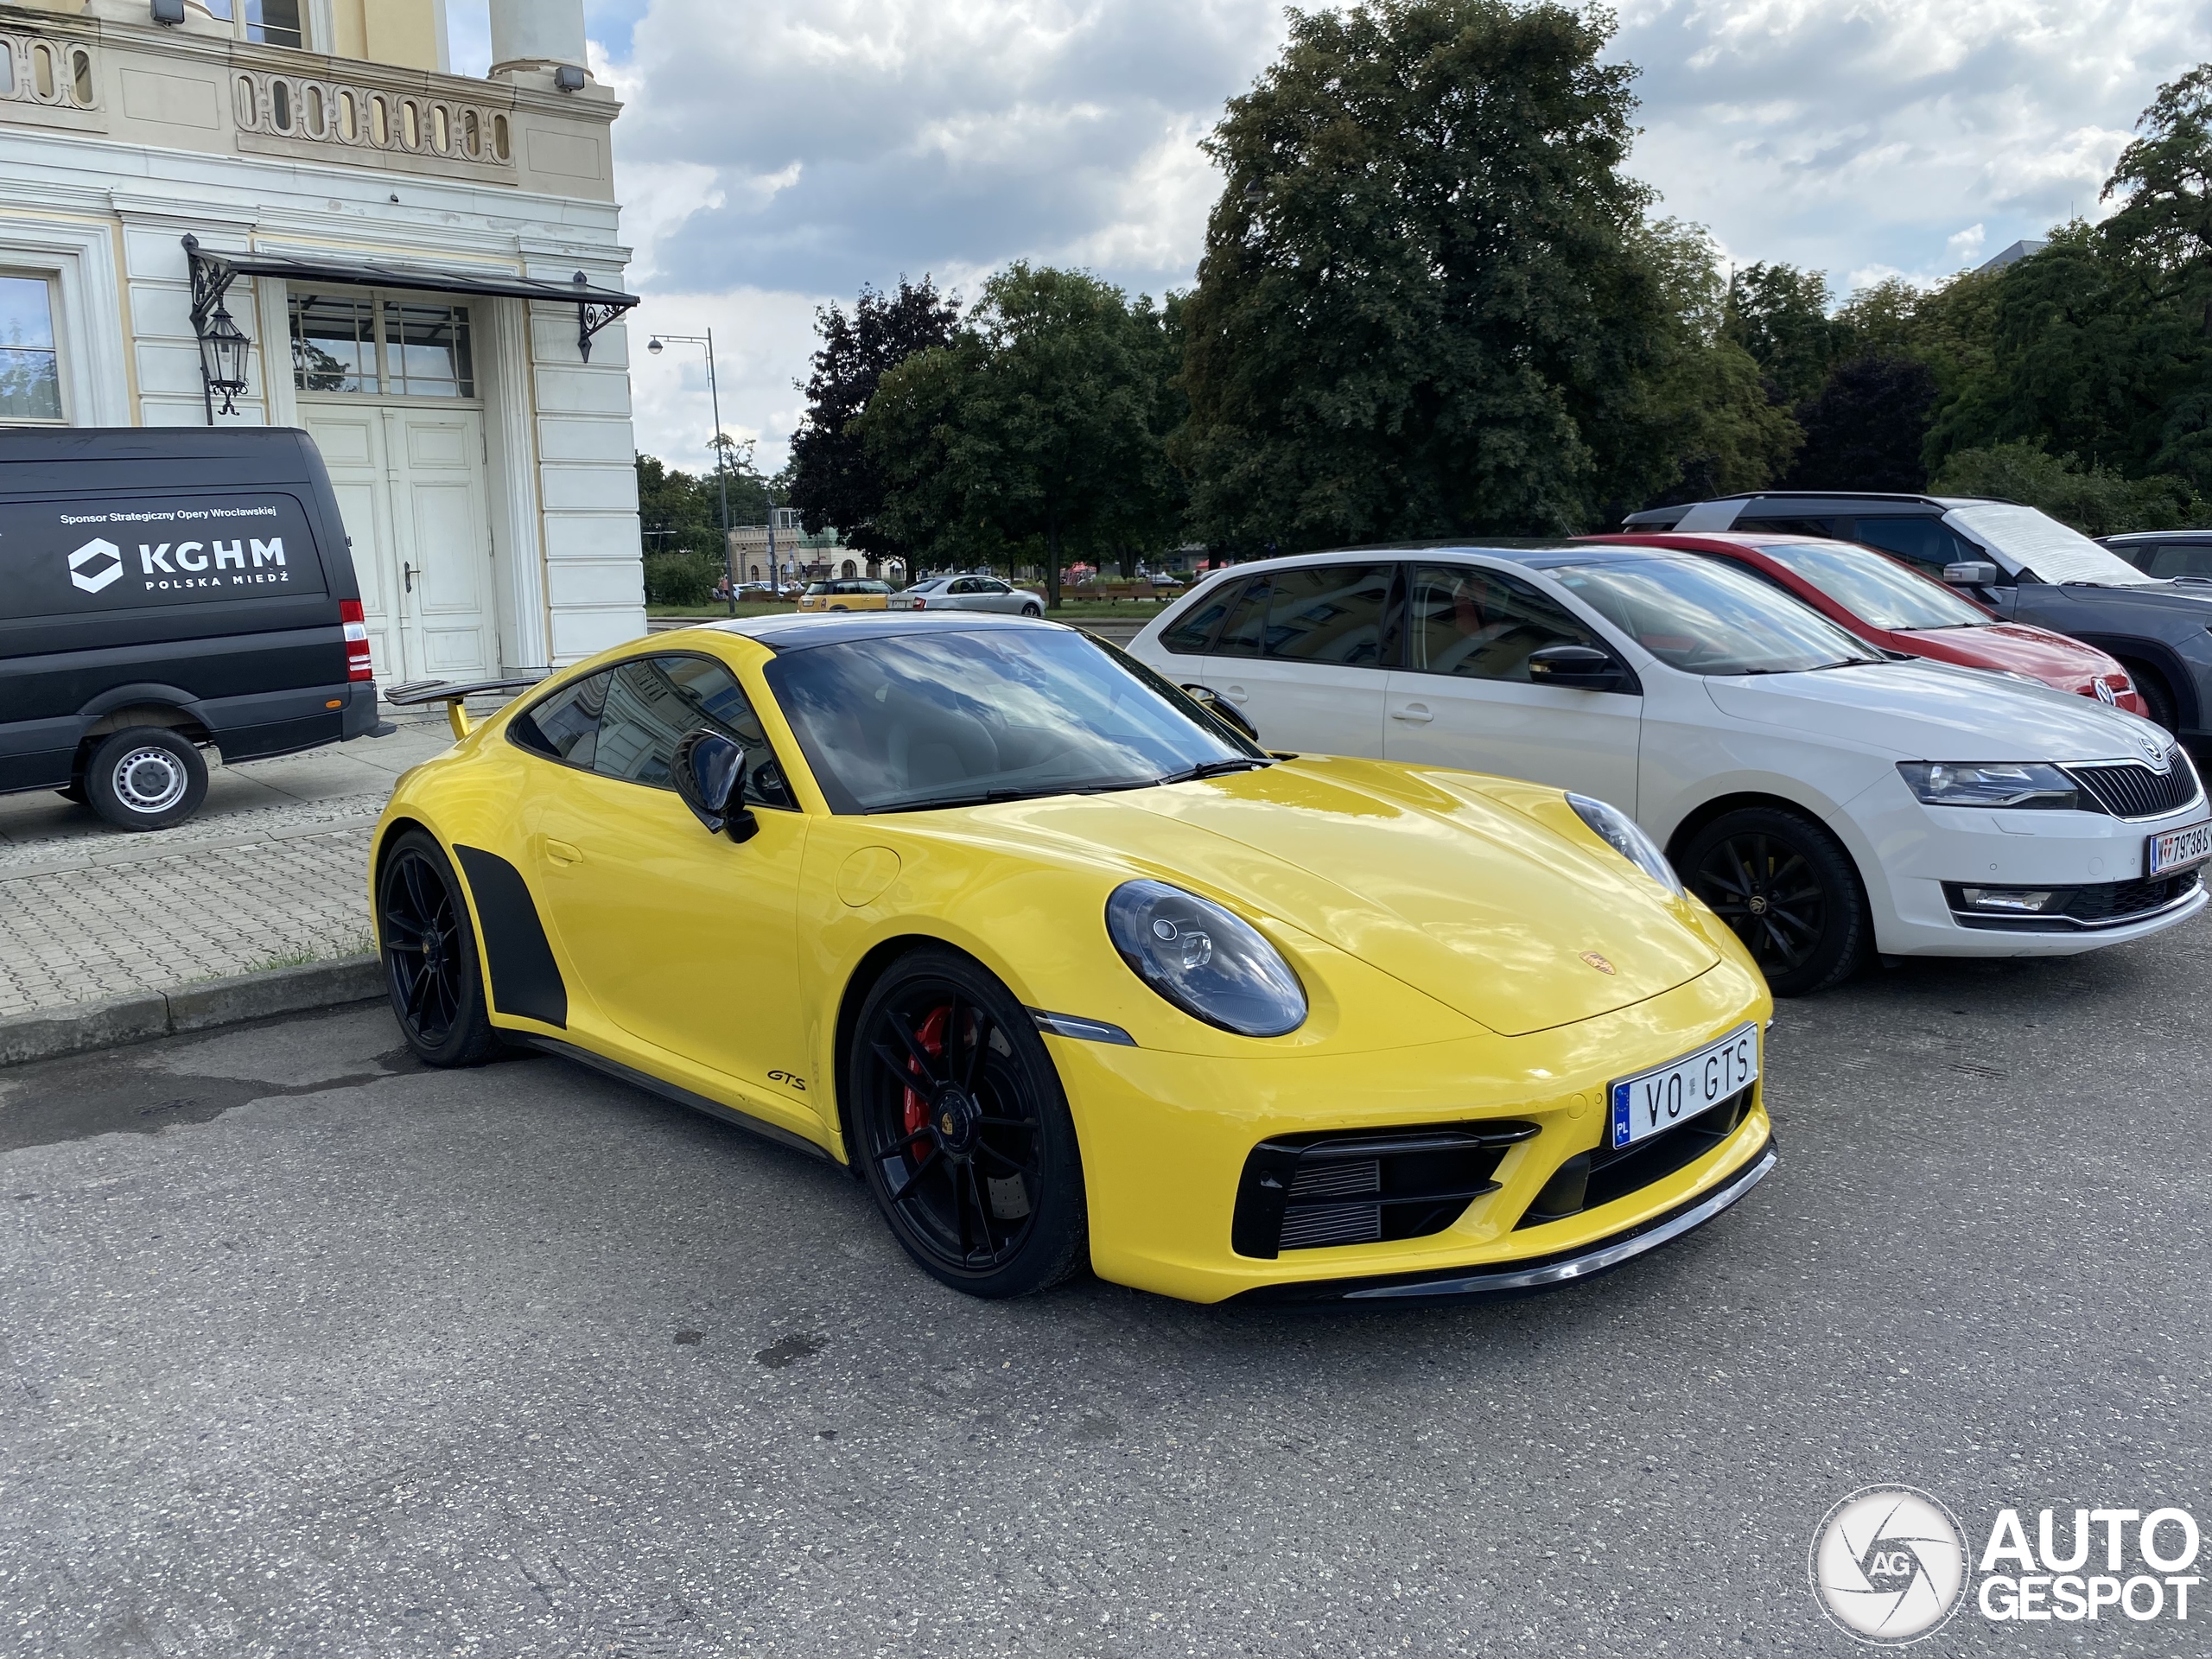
{"x":411,"y":481}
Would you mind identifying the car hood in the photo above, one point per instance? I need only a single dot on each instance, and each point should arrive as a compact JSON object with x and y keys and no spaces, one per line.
{"x":1931,"y":711}
{"x":2015,"y":645}
{"x":1419,"y":874}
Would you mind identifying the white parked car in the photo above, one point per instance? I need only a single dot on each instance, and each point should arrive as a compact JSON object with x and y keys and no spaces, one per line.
{"x":1823,"y":797}
{"x":966,"y":593}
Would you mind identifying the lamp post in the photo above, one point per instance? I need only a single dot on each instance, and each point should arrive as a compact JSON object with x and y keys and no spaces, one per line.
{"x":721,"y":448}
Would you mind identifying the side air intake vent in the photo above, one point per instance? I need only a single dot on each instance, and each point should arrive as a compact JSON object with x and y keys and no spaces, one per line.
{"x":1308,"y":1192}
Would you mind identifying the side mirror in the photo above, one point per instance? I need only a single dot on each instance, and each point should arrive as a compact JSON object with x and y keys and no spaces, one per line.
{"x":1222,"y":709}
{"x":1576,"y":667}
{"x":1973,"y":573}
{"x":709,"y":771}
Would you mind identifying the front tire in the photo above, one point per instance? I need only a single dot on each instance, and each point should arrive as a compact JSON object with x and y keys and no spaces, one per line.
{"x":145,"y":778}
{"x":962,"y":1130}
{"x":1788,"y":890}
{"x":1033,"y":610}
{"x":429,"y":944}
{"x":2157,"y":696}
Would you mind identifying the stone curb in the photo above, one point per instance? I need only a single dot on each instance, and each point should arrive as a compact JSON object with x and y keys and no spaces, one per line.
{"x":117,"y":1020}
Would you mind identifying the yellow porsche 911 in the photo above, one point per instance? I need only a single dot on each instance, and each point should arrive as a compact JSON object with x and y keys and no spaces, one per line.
{"x":1071,"y":973}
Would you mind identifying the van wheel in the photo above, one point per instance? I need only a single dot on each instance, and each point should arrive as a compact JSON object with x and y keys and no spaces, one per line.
{"x":1789,"y":892}
{"x":145,"y":778}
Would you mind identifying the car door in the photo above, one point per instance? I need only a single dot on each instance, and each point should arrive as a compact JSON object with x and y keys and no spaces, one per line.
{"x":992,"y":595}
{"x":687,"y":941}
{"x":1464,"y":697}
{"x":1302,"y":656}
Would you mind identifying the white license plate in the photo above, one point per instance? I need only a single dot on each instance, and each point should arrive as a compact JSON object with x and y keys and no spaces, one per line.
{"x":1651,"y":1102}
{"x":2177,"y":849}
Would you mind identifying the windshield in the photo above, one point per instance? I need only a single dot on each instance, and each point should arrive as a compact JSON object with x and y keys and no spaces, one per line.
{"x":1878,"y":590}
{"x":1706,"y":619}
{"x":2044,"y":547}
{"x":943,"y":719}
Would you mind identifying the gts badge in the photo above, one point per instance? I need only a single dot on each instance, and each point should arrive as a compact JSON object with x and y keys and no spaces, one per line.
{"x":789,"y":1079}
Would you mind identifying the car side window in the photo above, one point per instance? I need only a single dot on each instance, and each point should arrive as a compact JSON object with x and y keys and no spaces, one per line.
{"x":1926,"y":544}
{"x":992,"y":586}
{"x":565,"y":725}
{"x":654,"y":701}
{"x":2179,"y":559}
{"x":1246,"y":630}
{"x":1484,"y":625}
{"x":965,"y":585}
{"x":1191,"y":636}
{"x":1823,"y":527}
{"x":1332,"y":614}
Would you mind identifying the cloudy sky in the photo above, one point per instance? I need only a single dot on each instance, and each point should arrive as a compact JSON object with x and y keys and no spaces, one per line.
{"x":776,"y":154}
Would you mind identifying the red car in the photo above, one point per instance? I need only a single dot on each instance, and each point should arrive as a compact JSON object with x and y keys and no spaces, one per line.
{"x":1889,"y":604}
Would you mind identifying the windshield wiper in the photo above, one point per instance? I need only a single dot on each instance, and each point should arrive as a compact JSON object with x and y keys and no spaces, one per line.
{"x":1213,"y":769}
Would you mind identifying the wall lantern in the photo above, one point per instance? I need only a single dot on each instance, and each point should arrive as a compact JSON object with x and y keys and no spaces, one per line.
{"x":223,"y":346}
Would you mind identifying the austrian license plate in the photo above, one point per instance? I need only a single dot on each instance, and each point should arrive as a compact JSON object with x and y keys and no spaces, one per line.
{"x":2177,"y":849}
{"x":1651,"y":1102}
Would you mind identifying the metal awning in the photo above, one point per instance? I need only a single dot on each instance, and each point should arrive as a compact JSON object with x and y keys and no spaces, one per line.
{"x":213,"y":273}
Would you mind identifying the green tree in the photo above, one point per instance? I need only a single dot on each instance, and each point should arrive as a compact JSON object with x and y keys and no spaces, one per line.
{"x":1424,"y":306}
{"x":1780,"y":315}
{"x":1039,"y":424}
{"x":674,"y":513}
{"x":2093,"y":499}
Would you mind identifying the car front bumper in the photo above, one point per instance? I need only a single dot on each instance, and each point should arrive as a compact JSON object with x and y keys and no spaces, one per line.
{"x":1166,"y":1139}
{"x":1927,"y":853}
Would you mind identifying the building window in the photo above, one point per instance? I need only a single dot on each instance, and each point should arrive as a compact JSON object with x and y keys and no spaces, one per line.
{"x":369,"y":345}
{"x":426,"y":349}
{"x":333,"y":344}
{"x":30,"y":367}
{"x":272,"y":22}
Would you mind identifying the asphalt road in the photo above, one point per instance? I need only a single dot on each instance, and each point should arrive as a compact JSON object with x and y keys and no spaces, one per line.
{"x":306,"y":1351}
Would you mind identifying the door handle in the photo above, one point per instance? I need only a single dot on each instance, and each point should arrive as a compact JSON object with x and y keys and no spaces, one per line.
{"x":1413,"y":713}
{"x":408,"y":571}
{"x":1234,"y":693}
{"x":561,"y":852}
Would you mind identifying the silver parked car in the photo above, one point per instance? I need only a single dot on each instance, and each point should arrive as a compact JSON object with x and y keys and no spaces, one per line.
{"x":966,"y":593}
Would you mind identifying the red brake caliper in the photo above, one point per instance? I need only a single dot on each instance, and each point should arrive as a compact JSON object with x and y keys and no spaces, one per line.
{"x":932,"y":1038}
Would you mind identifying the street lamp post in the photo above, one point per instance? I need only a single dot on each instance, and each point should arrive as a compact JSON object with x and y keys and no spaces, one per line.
{"x":721,"y":448}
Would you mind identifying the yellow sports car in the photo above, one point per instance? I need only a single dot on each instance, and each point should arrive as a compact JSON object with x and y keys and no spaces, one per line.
{"x":1071,"y":973}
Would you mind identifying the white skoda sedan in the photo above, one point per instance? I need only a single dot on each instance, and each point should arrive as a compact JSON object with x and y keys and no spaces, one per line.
{"x":1825,"y":798}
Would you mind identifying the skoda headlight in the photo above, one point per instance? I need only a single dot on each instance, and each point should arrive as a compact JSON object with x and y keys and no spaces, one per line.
{"x":1627,"y":838}
{"x":1206,"y":962}
{"x":2008,"y":783}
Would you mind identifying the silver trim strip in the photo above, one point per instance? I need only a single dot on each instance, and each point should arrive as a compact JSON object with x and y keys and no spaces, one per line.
{"x":1986,"y":921}
{"x":1580,"y":1267}
{"x":1091,"y":1030}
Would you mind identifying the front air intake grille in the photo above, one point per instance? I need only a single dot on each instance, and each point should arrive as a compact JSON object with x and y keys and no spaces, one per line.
{"x":1590,"y":1179}
{"x":1309,"y":1191}
{"x":2106,"y":904}
{"x":2130,"y":790}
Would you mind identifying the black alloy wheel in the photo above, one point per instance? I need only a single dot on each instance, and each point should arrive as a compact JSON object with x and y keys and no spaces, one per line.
{"x":962,"y":1131}
{"x":1789,"y":891}
{"x":429,"y":947}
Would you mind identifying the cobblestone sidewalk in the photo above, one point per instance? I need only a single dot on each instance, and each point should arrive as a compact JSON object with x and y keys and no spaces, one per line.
{"x":273,"y":868}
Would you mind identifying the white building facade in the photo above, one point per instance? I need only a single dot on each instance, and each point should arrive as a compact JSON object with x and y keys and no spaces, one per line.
{"x":426,"y":265}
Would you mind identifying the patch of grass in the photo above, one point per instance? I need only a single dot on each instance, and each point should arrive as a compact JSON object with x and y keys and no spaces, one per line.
{"x":303,"y":952}
{"x":764,"y":608}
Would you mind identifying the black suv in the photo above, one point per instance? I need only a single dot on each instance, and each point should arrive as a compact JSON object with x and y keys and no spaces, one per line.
{"x":167,"y":589}
{"x":2169,"y":555}
{"x":2022,"y":563}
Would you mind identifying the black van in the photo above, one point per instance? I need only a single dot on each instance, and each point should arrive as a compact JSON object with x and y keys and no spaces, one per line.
{"x":164,"y":589}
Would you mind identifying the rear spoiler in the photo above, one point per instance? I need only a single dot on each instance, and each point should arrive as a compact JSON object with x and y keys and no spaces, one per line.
{"x":413,"y":693}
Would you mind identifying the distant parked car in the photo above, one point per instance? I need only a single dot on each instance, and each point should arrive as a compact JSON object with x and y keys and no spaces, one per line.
{"x":845,"y":594}
{"x":1888,"y":603}
{"x":2022,"y":563}
{"x":2169,"y":555}
{"x":966,"y":593}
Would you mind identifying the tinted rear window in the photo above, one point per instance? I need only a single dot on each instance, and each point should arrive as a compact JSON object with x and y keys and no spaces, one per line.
{"x":82,"y":555}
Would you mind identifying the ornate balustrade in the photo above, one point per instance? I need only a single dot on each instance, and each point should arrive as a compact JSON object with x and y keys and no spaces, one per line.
{"x":351,"y":114}
{"x":58,"y":73}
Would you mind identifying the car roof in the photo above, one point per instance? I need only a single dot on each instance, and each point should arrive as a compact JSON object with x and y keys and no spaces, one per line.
{"x":2188,"y":536}
{"x":796,"y":632}
{"x":1536,"y":553}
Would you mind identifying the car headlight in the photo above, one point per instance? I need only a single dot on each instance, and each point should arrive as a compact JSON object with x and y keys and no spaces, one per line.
{"x":1626,"y":837}
{"x":2009,"y":784}
{"x":1208,"y":962}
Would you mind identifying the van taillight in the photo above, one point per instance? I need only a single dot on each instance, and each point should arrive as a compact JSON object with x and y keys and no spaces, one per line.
{"x":357,"y":666}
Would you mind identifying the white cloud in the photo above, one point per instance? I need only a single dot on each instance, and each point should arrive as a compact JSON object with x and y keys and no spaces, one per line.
{"x":1965,"y":248}
{"x":774,"y":154}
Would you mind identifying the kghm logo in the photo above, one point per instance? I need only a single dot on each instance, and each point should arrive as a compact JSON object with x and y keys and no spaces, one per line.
{"x":1889,"y":1564}
{"x":95,"y":565}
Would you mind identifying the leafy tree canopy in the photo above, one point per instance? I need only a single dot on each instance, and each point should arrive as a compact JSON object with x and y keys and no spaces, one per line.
{"x":832,"y":480}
